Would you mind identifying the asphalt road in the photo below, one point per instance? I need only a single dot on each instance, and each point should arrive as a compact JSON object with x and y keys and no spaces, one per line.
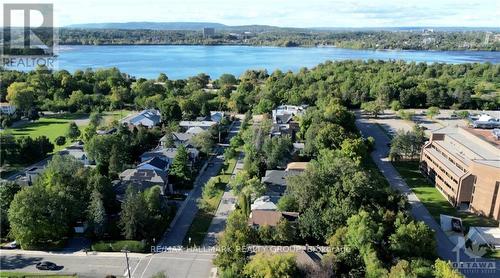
{"x":181,"y":264}
{"x":445,"y":248}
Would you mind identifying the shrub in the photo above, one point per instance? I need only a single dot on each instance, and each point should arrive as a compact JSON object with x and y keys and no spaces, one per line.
{"x":134,"y":246}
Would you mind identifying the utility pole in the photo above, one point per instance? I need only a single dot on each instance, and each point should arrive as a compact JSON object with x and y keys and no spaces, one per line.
{"x":126,"y":258}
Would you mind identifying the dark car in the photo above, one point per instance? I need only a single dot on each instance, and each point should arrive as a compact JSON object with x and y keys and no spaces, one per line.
{"x":45,"y":265}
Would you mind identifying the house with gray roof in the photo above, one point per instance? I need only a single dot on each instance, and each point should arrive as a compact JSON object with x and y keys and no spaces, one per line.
{"x":147,"y":118}
{"x":168,"y":154}
{"x":154,"y":163}
{"x":141,"y":179}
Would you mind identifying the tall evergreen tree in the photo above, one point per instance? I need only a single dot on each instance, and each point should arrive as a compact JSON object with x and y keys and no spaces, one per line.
{"x":97,"y":213}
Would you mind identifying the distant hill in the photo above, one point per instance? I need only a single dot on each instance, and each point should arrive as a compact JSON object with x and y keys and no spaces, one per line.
{"x":150,"y":25}
{"x":196,"y":26}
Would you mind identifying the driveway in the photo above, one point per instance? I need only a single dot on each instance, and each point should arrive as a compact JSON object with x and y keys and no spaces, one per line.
{"x":445,"y":248}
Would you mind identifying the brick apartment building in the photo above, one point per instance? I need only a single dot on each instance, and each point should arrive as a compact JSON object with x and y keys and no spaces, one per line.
{"x":464,"y":164}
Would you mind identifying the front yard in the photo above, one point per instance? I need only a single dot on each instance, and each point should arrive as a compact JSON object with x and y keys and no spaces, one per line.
{"x":435,"y":203}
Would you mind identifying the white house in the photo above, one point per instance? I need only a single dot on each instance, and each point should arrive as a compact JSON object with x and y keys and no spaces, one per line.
{"x":201,"y":124}
{"x":148,"y":118}
{"x":7,"y":108}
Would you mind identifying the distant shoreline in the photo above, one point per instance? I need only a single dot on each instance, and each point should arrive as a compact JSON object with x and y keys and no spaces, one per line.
{"x":279,"y":46}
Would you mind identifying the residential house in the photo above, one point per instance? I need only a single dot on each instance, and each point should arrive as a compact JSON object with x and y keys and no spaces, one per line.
{"x":195,"y":130}
{"x":464,"y":165}
{"x":270,"y":218}
{"x":154,"y":163}
{"x":7,"y":108}
{"x":205,"y":125}
{"x":217,"y":116}
{"x":296,"y":168}
{"x":275,"y":180}
{"x":283,"y":123}
{"x":168,"y":154}
{"x":77,"y":151}
{"x":265,"y":203}
{"x":147,"y":118}
{"x":179,"y":138}
{"x":141,"y":179}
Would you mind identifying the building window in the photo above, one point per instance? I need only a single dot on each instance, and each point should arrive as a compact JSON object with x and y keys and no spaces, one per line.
{"x":495,"y":193}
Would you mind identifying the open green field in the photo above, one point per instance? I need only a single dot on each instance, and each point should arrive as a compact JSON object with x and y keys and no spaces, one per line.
{"x":433,"y":200}
{"x":56,"y":125}
{"x":51,"y":126}
{"x":201,"y":222}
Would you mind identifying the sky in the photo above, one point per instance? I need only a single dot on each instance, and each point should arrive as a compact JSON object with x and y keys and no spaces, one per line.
{"x":285,"y":13}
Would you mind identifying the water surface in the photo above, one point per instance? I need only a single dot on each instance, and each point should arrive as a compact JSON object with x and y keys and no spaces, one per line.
{"x":183,"y":61}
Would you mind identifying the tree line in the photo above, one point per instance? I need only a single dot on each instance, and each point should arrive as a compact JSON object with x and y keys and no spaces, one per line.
{"x":416,"y":40}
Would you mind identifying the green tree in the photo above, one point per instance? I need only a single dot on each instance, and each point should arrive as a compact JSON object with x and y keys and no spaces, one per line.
{"x":96,"y":118}
{"x":277,"y":150}
{"x":179,"y":170}
{"x":22,"y":96}
{"x":413,"y":240}
{"x":373,"y":107}
{"x":73,"y":131}
{"x":264,"y":265}
{"x":432,"y":112}
{"x":97,"y":213}
{"x":285,"y":232}
{"x":133,"y":216}
{"x":444,"y":269}
{"x":355,"y":149}
{"x":170,"y":111}
{"x":395,"y":105}
{"x":203,"y":141}
{"x":60,"y":140}
{"x":231,"y":252}
{"x":7,"y":192}
{"x":40,"y":225}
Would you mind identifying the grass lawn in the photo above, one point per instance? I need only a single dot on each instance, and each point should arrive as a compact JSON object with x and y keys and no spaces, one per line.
{"x":51,"y":126}
{"x":201,"y":222}
{"x":118,"y":245}
{"x":432,"y":198}
{"x":27,"y":275}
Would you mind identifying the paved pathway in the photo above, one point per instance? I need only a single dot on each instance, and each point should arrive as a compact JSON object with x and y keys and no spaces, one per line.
{"x":185,"y":216}
{"x":445,"y":248}
{"x":227,"y":203}
{"x":180,"y":224}
{"x":226,"y":206}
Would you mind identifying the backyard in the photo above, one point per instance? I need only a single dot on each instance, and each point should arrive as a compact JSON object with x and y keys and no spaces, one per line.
{"x":435,"y":203}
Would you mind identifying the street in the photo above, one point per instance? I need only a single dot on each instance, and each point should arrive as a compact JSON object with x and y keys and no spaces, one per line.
{"x":174,"y":264}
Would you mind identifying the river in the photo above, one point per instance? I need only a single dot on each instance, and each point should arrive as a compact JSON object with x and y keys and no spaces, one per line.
{"x":180,"y":61}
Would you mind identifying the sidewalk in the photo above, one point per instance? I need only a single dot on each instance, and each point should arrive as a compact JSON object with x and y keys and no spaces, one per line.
{"x":226,"y":206}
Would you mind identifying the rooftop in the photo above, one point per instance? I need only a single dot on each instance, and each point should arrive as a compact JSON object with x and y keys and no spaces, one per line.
{"x":270,"y":217}
{"x":470,"y":144}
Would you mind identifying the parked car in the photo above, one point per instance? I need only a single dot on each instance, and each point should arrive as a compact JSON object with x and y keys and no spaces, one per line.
{"x":46,"y":265}
{"x":11,"y":245}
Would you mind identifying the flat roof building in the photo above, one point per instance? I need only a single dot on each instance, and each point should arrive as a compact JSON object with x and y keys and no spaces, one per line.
{"x":465,"y":167}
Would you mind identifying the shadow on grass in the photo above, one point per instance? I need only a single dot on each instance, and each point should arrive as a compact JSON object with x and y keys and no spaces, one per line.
{"x":433,"y":200}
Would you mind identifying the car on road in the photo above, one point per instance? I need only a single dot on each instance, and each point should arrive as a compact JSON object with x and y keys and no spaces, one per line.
{"x":11,"y":245}
{"x":46,"y":265}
